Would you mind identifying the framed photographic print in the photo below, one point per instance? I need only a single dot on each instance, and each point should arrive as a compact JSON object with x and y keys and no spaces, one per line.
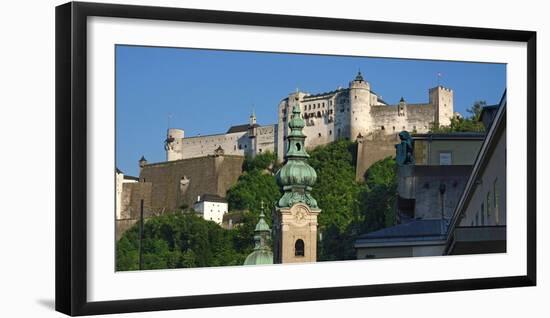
{"x":212,"y":158}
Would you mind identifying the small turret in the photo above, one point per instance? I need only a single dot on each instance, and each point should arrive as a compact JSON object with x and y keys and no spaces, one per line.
{"x":252,"y":134}
{"x":142,"y":162}
{"x":359,"y":82}
{"x":252,"y":119}
{"x":401,"y":107}
{"x":262,"y":234}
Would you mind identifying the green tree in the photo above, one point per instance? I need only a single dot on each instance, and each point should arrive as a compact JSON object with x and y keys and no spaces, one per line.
{"x":337,"y":193}
{"x":265,"y":161}
{"x":257,"y":184}
{"x":379,"y":195}
{"x":181,"y":240}
{"x":464,"y":124}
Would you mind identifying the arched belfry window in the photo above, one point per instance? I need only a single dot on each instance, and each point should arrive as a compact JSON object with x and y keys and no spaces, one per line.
{"x":299,"y":248}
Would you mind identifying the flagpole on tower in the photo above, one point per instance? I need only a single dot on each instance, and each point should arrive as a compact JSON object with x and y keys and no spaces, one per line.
{"x":438,"y":78}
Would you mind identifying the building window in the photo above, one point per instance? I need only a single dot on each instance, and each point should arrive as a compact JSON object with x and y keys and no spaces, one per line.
{"x":495,"y":202}
{"x":488,"y":204}
{"x":330,"y":132}
{"x":393,"y":128}
{"x":482,"y":213}
{"x":299,"y":248}
{"x":319,"y":134}
{"x":445,"y":158}
{"x":260,"y":149}
{"x":382,"y":128}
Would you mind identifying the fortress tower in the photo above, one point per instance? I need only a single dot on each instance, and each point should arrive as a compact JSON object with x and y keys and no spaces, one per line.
{"x":442,"y":100}
{"x":172,"y":143}
{"x":359,"y":104}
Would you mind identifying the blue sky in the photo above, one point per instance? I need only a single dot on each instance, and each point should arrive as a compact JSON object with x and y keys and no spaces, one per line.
{"x":206,"y":91}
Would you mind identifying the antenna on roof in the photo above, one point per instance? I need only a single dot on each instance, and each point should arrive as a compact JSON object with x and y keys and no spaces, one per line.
{"x":170,"y":115}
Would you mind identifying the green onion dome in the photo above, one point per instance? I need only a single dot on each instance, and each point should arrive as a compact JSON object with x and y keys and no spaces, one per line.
{"x":259,"y":257}
{"x":296,"y":177}
{"x":296,"y":172}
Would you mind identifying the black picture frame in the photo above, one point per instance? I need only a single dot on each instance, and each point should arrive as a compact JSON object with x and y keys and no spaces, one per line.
{"x":71,"y":157}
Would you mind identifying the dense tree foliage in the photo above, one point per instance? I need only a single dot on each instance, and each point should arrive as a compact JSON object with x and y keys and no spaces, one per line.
{"x":336,"y":190}
{"x":256,"y":184}
{"x":266,"y":161}
{"x":378,"y":197}
{"x":181,"y":240}
{"x":350,"y":207}
{"x":464,"y":124}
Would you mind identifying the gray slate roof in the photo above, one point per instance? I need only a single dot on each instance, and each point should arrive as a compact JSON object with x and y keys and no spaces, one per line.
{"x":412,"y":229}
{"x":237,"y":128}
{"x":211,"y":198}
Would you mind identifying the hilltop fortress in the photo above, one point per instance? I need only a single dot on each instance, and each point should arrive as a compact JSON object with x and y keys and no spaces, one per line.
{"x":345,"y":113}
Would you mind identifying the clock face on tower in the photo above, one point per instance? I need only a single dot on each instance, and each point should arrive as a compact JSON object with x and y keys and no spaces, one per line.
{"x":300,"y":215}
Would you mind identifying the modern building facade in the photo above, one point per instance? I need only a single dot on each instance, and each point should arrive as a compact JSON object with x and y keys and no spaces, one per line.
{"x":479,"y":222}
{"x":429,"y":187}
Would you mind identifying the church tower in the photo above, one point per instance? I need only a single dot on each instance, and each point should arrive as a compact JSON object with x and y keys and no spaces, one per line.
{"x":296,"y":212}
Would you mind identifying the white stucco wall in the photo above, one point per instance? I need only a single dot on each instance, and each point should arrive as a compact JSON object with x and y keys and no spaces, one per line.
{"x":211,"y":211}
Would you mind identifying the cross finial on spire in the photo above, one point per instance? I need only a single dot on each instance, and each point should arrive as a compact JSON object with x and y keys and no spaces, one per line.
{"x":359,"y":77}
{"x":262,"y":208}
